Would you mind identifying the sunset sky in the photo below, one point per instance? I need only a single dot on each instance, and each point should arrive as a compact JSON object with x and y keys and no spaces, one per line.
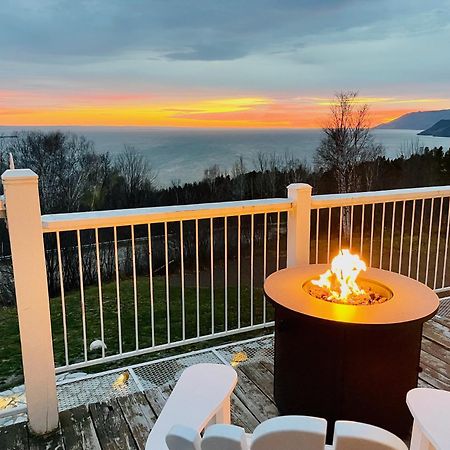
{"x":211,"y":63}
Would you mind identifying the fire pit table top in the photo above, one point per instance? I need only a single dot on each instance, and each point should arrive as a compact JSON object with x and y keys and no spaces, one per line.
{"x":411,"y":299}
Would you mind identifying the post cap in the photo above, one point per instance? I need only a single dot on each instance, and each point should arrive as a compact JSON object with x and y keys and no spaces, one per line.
{"x":299,"y":187}
{"x":11,"y":176}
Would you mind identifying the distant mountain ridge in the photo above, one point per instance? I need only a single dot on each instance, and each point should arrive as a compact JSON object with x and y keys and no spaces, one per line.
{"x":420,"y":120}
{"x":439,"y":129}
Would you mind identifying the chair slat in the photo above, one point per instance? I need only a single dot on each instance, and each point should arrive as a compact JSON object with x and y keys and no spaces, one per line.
{"x":183,"y":438}
{"x":290,"y":433}
{"x":355,"y":435}
{"x":224,"y":437}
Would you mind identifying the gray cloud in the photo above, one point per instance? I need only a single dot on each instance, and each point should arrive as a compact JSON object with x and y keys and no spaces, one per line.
{"x":241,"y":44}
{"x":176,"y":28}
{"x":217,"y":51}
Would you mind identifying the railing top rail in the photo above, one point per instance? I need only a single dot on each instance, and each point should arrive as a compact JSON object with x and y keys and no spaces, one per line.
{"x":392,"y":195}
{"x":139,"y":216}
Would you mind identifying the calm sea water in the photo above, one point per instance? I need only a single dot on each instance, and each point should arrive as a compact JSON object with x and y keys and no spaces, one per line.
{"x":183,"y":154}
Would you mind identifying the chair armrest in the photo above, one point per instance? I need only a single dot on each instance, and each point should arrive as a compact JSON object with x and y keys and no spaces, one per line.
{"x":201,"y":396}
{"x":431,"y":425}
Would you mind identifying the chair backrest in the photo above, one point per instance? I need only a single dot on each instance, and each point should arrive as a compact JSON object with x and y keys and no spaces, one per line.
{"x":290,"y":433}
{"x":286,"y":433}
{"x":356,"y":436}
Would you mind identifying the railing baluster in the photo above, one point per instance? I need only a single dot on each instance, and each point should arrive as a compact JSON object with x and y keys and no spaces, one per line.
{"x":362,"y":231}
{"x":447,"y":228}
{"x":382,"y":235}
{"x":438,"y":243}
{"x":63,"y":299}
{"x":183,"y":306}
{"x":371,"y":234}
{"x":119,"y":311}
{"x":317,"y":235}
{"x":430,"y":229}
{"x":135,"y":293}
{"x":340,"y":228}
{"x":265,"y":265}
{"x":100,"y":293}
{"x":226,"y":271}
{"x":239,"y":271}
{"x":419,"y":250}
{"x":402,"y":230}
{"x":329,"y":235}
{"x":252,"y":233}
{"x":83,"y":307}
{"x":411,"y":237}
{"x":150,"y":274}
{"x":278,"y":239}
{"x":197,"y":278}
{"x":211,"y":239}
{"x":166,"y":257}
{"x":391,"y":249}
{"x":351,"y":227}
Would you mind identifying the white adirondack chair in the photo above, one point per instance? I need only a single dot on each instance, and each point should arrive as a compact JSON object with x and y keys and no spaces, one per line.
{"x":200,"y":397}
{"x":431,"y":411}
{"x":286,"y":433}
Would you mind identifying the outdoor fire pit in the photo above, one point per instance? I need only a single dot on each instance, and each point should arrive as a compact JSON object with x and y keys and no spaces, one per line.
{"x":341,"y":360}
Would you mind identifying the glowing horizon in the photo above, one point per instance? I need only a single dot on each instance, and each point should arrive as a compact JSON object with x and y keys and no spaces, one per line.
{"x":218,"y":64}
{"x":26,"y":108}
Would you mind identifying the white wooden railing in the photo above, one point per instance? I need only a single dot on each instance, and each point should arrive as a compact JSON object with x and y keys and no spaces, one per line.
{"x":215,"y":223}
{"x":149,"y":279}
{"x":403,"y":230}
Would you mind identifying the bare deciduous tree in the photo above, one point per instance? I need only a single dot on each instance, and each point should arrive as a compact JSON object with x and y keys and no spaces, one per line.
{"x":268,"y":165}
{"x":67,"y":166}
{"x":238,"y":172}
{"x":348,"y":143}
{"x":211,"y":173}
{"x":136,"y":174}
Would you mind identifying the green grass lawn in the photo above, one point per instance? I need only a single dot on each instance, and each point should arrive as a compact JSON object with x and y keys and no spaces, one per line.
{"x":10,"y":367}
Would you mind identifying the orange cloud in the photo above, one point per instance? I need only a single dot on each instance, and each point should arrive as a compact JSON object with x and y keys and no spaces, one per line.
{"x":124,"y":109}
{"x":384,"y":101}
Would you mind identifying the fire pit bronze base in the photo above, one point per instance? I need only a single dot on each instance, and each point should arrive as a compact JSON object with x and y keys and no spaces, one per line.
{"x":346,"y":363}
{"x":342,"y":371}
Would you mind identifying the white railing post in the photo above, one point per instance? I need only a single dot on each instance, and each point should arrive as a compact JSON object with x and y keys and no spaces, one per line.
{"x":299,"y":224}
{"x":23,"y":214}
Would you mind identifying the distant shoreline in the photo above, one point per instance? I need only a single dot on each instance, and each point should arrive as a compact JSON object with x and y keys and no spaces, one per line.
{"x":181,"y":155}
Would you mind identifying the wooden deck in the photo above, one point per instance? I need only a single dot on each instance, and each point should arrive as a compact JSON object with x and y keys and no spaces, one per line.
{"x":124,"y":423}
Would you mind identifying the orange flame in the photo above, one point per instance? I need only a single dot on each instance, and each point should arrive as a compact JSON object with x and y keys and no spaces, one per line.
{"x":340,"y":280}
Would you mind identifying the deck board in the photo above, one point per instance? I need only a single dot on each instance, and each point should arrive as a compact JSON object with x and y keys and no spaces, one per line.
{"x":157,"y":398}
{"x":54,"y":442}
{"x":436,"y":350}
{"x":242,"y":416}
{"x":254,"y":398}
{"x":139,"y":416}
{"x":124,"y":423}
{"x":261,"y":377}
{"x":436,"y":331}
{"x":78,"y":429}
{"x":14,"y":437}
{"x":111,"y":427}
